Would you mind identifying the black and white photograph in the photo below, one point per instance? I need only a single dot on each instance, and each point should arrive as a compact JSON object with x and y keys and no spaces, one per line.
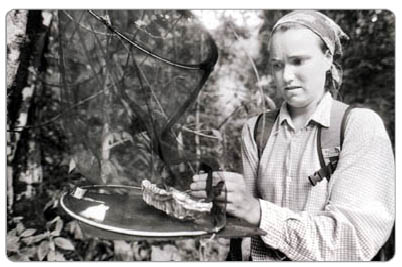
{"x":200,"y":135}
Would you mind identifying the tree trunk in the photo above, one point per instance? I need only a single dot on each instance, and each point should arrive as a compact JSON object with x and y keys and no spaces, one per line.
{"x":26,"y":42}
{"x":16,"y":28}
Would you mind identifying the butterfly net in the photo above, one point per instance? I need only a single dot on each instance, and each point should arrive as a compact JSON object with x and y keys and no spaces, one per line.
{"x":128,"y":81}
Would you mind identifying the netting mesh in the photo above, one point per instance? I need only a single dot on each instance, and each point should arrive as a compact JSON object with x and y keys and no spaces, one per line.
{"x":128,"y":77}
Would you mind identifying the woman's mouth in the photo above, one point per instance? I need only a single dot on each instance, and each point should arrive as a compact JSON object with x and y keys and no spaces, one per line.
{"x":289,"y":88}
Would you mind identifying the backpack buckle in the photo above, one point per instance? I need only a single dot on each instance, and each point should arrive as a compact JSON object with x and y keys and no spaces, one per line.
{"x":315,"y":178}
{"x":326,"y":172}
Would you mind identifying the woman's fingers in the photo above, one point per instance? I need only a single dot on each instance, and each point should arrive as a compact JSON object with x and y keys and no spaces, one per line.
{"x":233,"y":184}
{"x":200,"y":177}
{"x":199,"y":194}
{"x":217,"y":176}
{"x":198,"y":185}
{"x":234,"y":195}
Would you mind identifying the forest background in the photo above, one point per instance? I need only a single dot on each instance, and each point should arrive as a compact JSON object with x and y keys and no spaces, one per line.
{"x":39,"y":158}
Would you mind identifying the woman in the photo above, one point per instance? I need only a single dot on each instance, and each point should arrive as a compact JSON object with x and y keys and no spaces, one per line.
{"x":346,"y":219}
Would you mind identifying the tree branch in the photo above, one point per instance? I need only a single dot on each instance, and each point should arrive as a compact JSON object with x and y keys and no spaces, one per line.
{"x":146,"y":51}
{"x":256,"y":74}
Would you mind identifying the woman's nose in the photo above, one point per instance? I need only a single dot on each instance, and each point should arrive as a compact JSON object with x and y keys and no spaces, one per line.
{"x":288,"y":74}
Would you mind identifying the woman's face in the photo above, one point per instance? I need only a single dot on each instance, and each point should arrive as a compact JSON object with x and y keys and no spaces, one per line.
{"x":299,"y":66}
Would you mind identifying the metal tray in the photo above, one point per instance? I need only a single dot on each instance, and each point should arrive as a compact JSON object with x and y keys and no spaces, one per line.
{"x":128,"y":217}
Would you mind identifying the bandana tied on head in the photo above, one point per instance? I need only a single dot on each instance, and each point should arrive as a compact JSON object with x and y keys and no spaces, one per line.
{"x":329,"y":32}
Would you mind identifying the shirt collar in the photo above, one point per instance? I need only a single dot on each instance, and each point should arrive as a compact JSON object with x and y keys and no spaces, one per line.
{"x":284,"y":115}
{"x":321,"y":115}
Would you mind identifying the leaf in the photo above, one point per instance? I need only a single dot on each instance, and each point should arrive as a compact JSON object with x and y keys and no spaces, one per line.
{"x":122,"y":251}
{"x":18,"y":257}
{"x":52,"y":246}
{"x":34,"y":239}
{"x":12,"y":233}
{"x":28,"y":240}
{"x":52,"y":203}
{"x":64,"y":243}
{"x":71,"y":165}
{"x":77,"y":231}
{"x":43,"y":250}
{"x":59,"y":226}
{"x":51,"y":256}
{"x":217,"y":134}
{"x":164,"y":253}
{"x":17,"y":219}
{"x":53,"y":221}
{"x":59,"y":256}
{"x":65,"y":161}
{"x":29,"y":252}
{"x":142,"y":251}
{"x":70,"y":226}
{"x":20,"y":228}
{"x":13,"y":244}
{"x":140,"y":23}
{"x":121,"y":245}
{"x":28,"y":232}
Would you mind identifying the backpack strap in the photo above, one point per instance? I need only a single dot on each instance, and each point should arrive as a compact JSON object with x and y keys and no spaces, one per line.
{"x":343,"y":125}
{"x":329,"y":142}
{"x":329,"y":139}
{"x":263,"y":128}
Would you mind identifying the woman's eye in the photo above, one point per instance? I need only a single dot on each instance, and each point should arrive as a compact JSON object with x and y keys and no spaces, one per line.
{"x":297,"y":61}
{"x":276,"y":66}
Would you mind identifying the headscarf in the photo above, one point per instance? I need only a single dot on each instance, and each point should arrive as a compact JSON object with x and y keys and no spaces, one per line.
{"x":329,"y":32}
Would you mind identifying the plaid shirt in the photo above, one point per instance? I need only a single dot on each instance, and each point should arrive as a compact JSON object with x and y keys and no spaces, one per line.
{"x":346,"y":219}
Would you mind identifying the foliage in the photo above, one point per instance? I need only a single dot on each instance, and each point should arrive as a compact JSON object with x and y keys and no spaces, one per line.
{"x":369,"y":62}
{"x":23,"y":245}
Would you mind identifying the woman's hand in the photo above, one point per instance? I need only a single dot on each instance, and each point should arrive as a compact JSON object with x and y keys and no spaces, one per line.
{"x":239,"y":202}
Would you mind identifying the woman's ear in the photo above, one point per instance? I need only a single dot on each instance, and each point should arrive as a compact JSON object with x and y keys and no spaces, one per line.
{"x":328,"y":59}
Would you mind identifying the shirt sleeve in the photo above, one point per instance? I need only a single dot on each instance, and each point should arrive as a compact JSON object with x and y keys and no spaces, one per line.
{"x":360,"y":212}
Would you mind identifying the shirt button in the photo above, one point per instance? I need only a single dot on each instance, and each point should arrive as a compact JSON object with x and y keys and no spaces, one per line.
{"x":288,"y":179}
